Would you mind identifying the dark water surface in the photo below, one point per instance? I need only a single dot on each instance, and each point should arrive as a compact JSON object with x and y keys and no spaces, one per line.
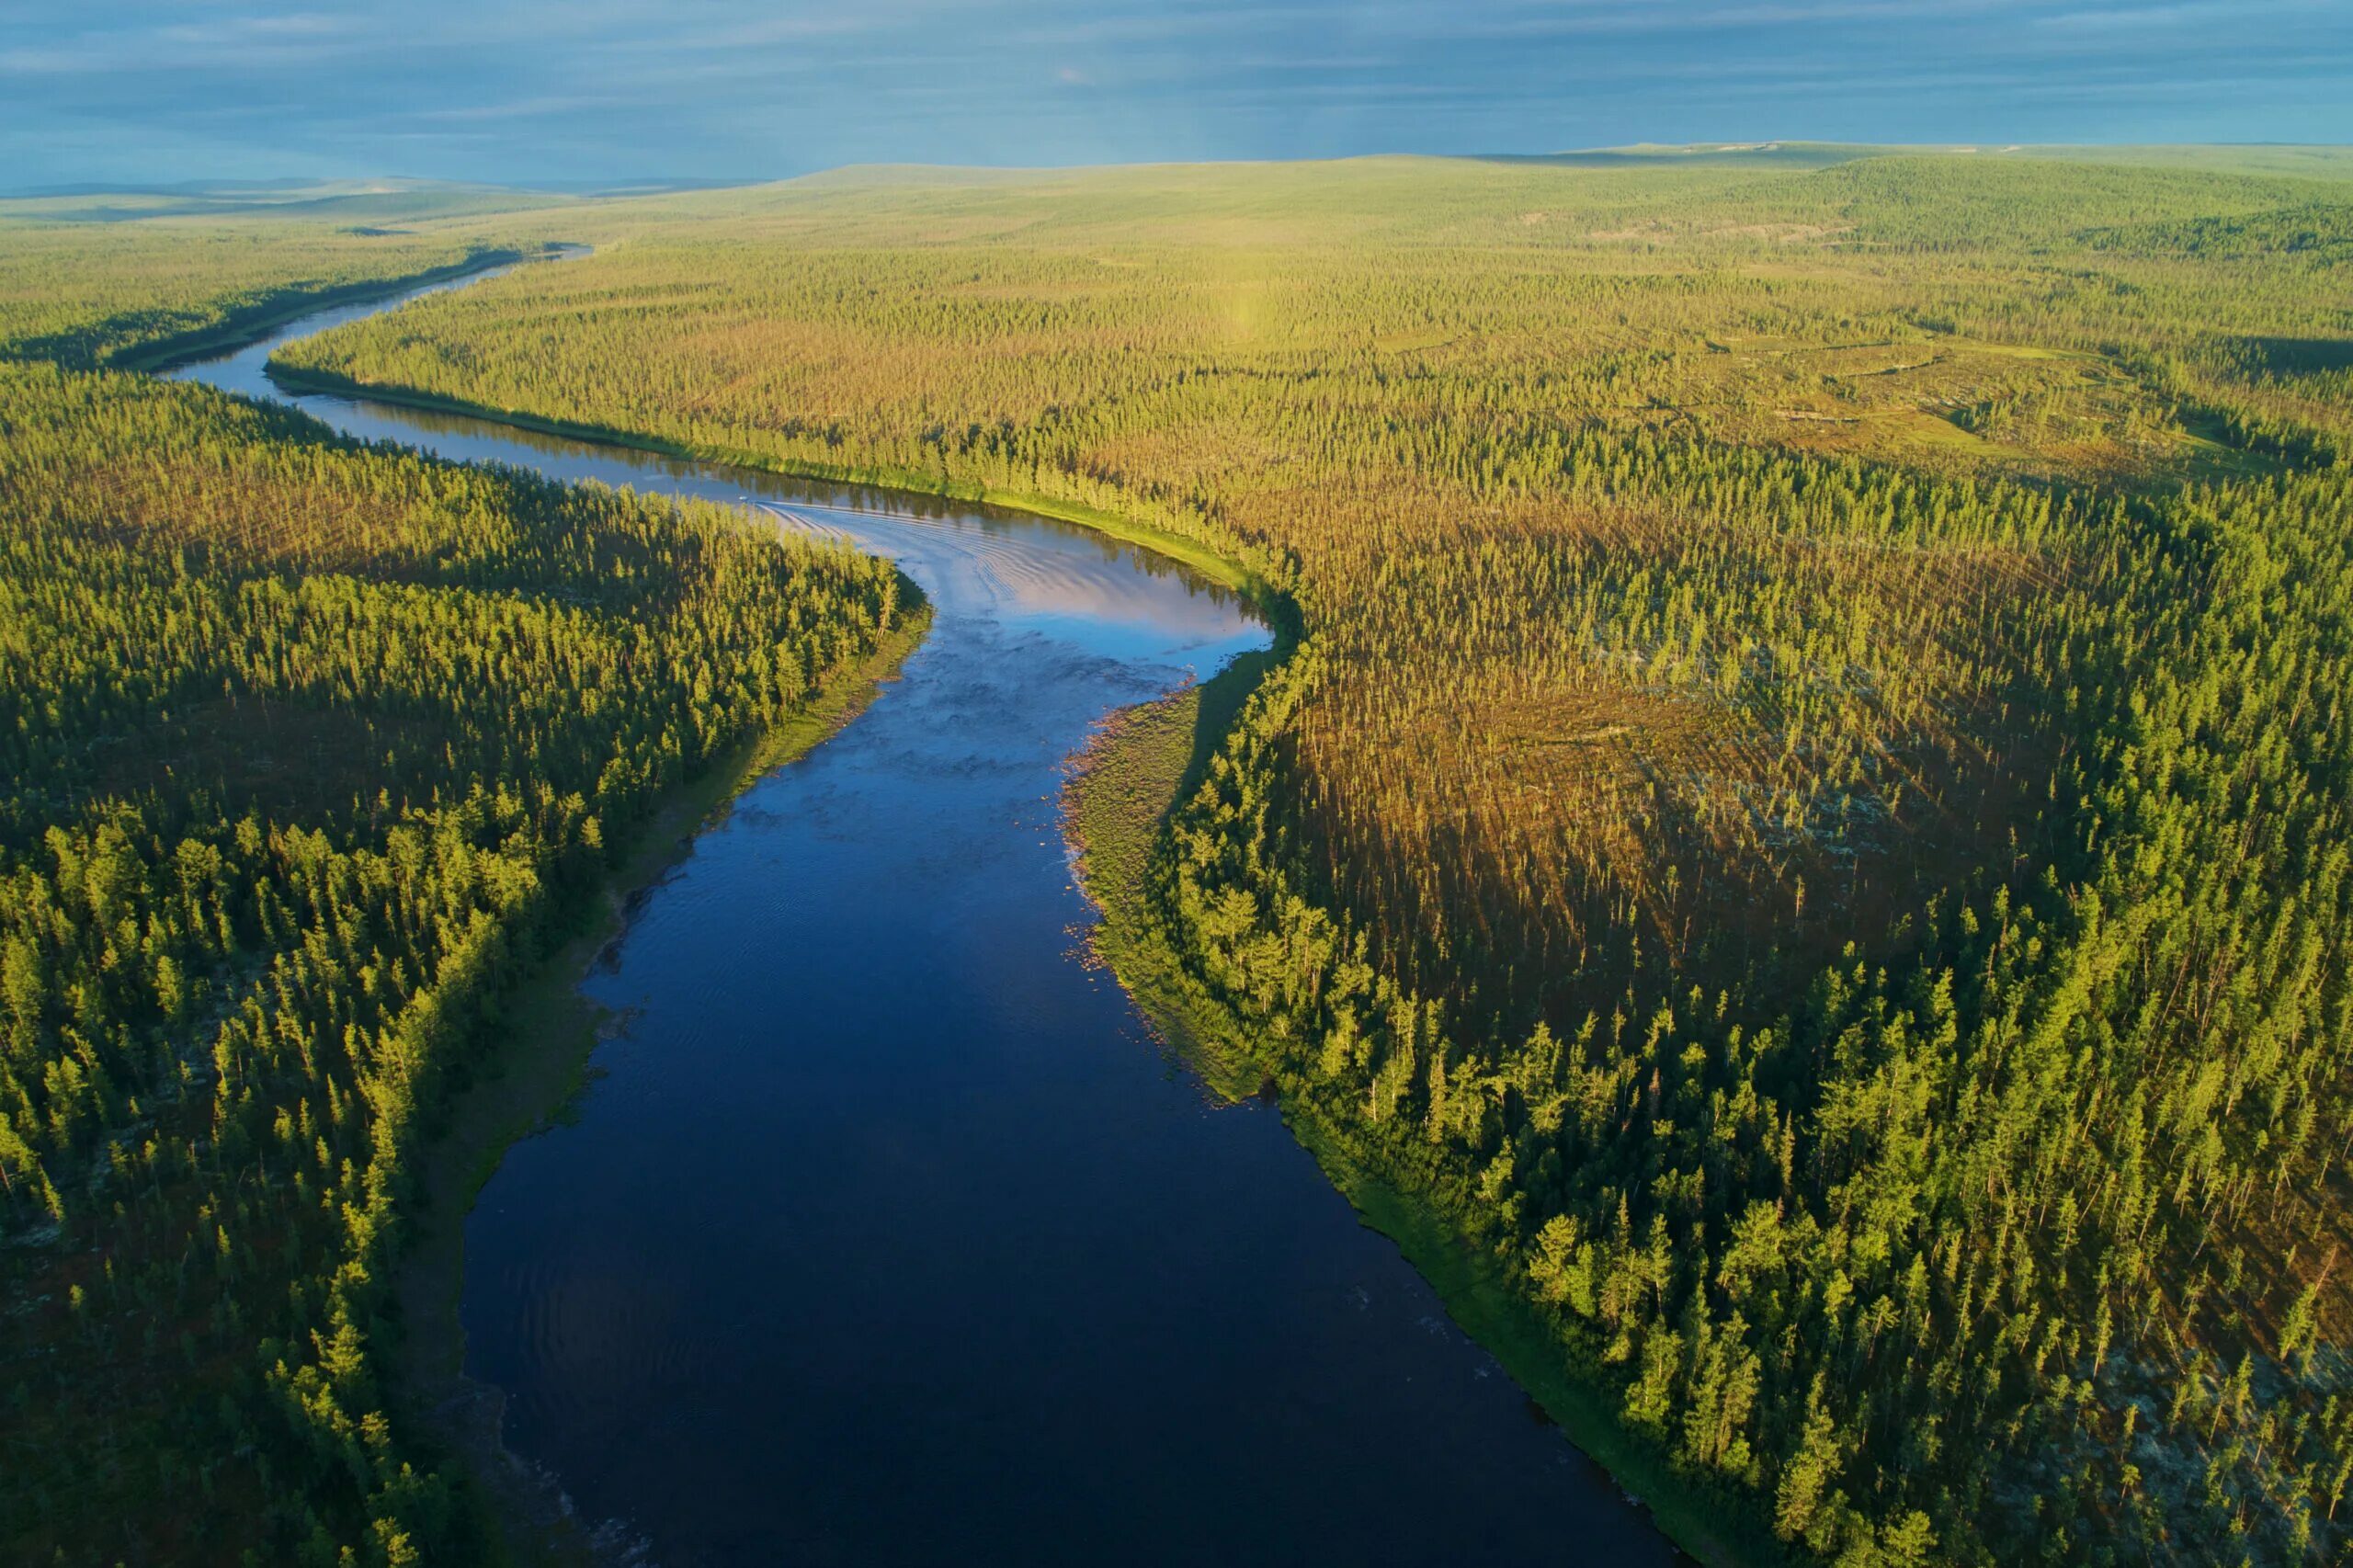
{"x":885,"y":1233}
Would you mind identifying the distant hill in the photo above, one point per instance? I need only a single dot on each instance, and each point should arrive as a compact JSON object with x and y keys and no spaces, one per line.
{"x":2278,"y":158}
{"x":362,"y":199}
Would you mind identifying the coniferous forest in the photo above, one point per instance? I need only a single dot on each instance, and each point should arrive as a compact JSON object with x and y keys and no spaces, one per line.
{"x":312,"y":747}
{"x":1805,"y":819}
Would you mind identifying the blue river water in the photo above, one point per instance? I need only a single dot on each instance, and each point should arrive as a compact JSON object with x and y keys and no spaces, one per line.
{"x":886,"y":1231}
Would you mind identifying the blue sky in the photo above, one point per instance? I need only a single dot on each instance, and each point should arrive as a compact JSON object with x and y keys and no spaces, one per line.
{"x":523,"y":90}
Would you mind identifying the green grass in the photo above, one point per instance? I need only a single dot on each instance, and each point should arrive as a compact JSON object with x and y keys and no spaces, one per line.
{"x":1122,"y":784}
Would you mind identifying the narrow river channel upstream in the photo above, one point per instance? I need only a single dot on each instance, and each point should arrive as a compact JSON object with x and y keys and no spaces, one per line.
{"x":884,"y":1233}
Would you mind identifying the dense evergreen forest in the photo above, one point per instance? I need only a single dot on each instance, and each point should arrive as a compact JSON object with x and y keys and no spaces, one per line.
{"x":311,"y":748}
{"x":1808,"y":817}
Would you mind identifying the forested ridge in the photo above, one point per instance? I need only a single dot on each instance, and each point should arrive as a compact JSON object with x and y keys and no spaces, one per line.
{"x":1808,"y":818}
{"x":312,"y":747}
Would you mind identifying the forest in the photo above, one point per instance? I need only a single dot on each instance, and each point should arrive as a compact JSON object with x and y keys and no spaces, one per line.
{"x":132,"y":295}
{"x":312,"y":747}
{"x":1808,"y":817}
{"x":1806,"y":821}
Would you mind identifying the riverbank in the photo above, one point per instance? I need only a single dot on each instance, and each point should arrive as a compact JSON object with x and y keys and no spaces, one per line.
{"x":539,"y":1063}
{"x":1264,"y":595}
{"x":1141,"y":763}
{"x":258,"y":321}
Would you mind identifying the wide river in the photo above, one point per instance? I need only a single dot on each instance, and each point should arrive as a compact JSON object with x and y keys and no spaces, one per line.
{"x":885,"y":1233}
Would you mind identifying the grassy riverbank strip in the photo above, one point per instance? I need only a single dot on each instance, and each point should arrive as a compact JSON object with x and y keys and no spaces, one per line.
{"x":1220,"y":568}
{"x":535,"y":1064}
{"x":1137,"y":765}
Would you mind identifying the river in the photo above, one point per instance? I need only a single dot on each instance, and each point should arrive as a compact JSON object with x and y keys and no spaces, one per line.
{"x":884,"y":1232}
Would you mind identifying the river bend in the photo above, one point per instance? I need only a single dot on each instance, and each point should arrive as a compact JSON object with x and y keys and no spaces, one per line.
{"x":884,"y":1232}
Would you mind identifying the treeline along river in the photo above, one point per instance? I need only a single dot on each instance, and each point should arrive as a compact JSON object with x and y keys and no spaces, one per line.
{"x":884,"y":1232}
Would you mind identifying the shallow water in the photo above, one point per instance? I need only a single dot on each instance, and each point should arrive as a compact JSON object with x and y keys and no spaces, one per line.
{"x":885,"y":1233}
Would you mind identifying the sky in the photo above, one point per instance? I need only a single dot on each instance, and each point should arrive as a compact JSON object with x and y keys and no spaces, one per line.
{"x":524,"y":91}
